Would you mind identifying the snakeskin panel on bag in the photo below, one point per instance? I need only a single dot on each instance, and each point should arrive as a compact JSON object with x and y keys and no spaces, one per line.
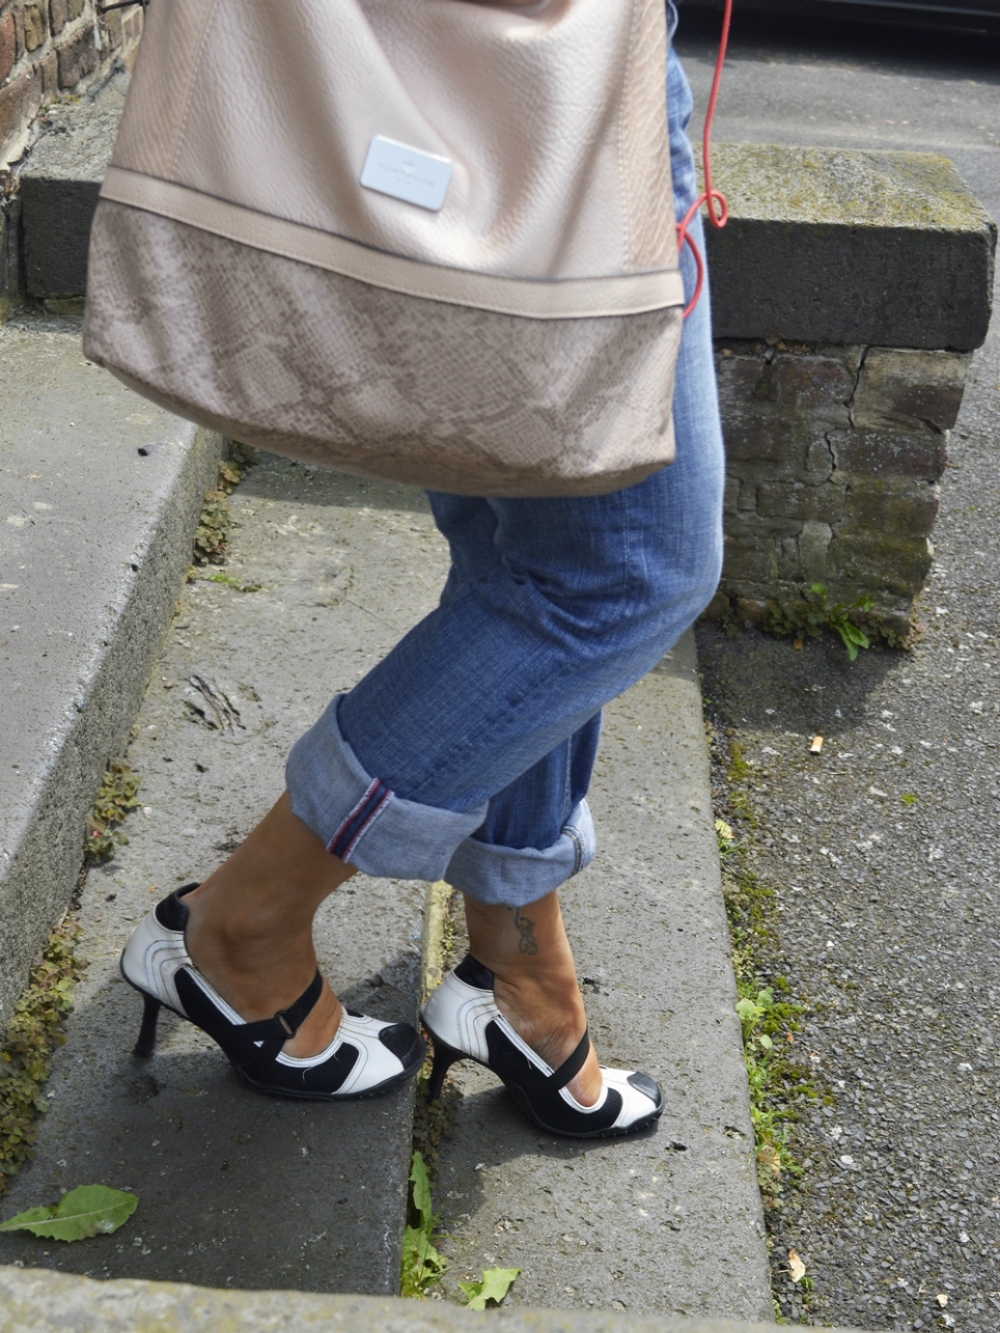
{"x":584,"y":414}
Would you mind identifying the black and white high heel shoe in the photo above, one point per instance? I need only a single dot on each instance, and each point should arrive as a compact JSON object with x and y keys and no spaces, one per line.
{"x":465,"y":1024}
{"x":366,"y":1056}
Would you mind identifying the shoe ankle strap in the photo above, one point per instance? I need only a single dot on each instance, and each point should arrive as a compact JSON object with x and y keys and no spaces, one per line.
{"x":571,"y":1066}
{"x":286,"y":1022}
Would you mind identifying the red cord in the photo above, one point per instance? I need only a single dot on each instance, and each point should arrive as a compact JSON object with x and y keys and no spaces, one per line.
{"x":713,"y":198}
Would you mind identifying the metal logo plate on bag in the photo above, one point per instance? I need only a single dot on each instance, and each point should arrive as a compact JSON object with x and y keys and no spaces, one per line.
{"x":406,"y":173}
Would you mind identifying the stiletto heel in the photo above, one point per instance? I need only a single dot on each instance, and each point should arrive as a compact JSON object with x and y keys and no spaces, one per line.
{"x":147,"y":1033}
{"x":364,"y":1058}
{"x":464,"y":1023}
{"x":444,"y":1057}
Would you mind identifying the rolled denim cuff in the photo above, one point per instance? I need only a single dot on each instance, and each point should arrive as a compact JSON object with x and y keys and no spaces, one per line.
{"x":516,"y":876}
{"x":360,"y":819}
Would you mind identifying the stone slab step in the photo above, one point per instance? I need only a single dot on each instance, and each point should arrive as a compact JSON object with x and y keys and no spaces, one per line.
{"x":34,"y":1302}
{"x":94,"y":540}
{"x":236,"y":1189}
{"x":668,"y":1223}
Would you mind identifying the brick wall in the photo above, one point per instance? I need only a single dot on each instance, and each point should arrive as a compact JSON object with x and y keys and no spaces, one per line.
{"x":54,"y":46}
{"x":834,"y":455}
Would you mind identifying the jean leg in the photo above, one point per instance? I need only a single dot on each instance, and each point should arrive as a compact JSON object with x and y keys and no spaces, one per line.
{"x":585,"y":596}
{"x":540,"y":810}
{"x":544,"y":806}
{"x":469,"y":526}
{"x":538,"y":831}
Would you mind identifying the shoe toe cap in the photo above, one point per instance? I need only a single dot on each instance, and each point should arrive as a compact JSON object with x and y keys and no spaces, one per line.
{"x":405,"y":1043}
{"x":648,"y":1087}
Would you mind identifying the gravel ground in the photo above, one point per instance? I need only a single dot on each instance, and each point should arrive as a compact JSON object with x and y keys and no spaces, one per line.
{"x":882,"y":849}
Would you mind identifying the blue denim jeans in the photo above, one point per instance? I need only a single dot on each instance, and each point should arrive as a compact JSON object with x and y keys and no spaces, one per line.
{"x":466,"y":753}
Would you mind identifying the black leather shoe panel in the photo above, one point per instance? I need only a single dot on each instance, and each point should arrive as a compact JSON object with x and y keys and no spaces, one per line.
{"x":474,"y":974}
{"x":405,"y":1043}
{"x":200,"y":1009}
{"x":258,"y":1063}
{"x":644,"y":1084}
{"x":327,"y":1077}
{"x":511,"y":1064}
{"x":171,"y":913}
{"x":538,"y":1098}
{"x":550,"y":1112}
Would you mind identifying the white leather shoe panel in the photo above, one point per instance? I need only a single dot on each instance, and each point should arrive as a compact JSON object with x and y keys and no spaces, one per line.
{"x":376,"y":1063}
{"x":310,"y":1061}
{"x":459,"y":1015}
{"x":635,"y":1104}
{"x":152,"y":957}
{"x":570,"y":1100}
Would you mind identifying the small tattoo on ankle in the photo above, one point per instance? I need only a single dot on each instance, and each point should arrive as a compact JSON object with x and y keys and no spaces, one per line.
{"x":526,"y":929}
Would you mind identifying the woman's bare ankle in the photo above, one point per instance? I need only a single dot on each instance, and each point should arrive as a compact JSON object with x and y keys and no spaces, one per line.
{"x":260,"y":982}
{"x":535,"y":987}
{"x":250,"y":925}
{"x":550,"y":1019}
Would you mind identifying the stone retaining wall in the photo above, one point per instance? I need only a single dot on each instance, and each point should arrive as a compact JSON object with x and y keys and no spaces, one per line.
{"x":836,"y":441}
{"x":49,"y":47}
{"x":50,"y":51}
{"x":834,"y":455}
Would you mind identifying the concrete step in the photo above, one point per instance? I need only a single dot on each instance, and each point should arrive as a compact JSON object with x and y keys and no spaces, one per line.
{"x":668,"y":1223}
{"x":237,"y":1190}
{"x":94,"y":540}
{"x":35,"y":1302}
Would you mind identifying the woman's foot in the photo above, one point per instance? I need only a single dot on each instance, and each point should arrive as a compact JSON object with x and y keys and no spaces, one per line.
{"x":235,"y":956}
{"x":535,"y":987}
{"x":366,"y":1057}
{"x":250,"y":927}
{"x":465,"y":1023}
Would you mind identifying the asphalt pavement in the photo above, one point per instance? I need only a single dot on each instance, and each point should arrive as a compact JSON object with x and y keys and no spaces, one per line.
{"x":882,"y":849}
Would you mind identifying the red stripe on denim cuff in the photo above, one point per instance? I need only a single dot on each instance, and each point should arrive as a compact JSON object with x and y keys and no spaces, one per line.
{"x":369,"y":820}
{"x":372,"y":787}
{"x":354,"y":826}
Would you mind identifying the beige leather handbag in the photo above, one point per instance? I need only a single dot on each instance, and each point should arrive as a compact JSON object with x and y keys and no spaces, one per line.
{"x":425,"y":240}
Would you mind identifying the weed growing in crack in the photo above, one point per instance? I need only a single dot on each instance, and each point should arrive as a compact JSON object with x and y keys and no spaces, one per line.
{"x":116,"y":797}
{"x":422,"y":1265}
{"x":769,"y":1024}
{"x":211,"y":538}
{"x":813,"y":615}
{"x":35,"y":1031}
{"x":228,"y":581}
{"x":780,"y":1085}
{"x":433,"y":1119}
{"x":769,"y":1019}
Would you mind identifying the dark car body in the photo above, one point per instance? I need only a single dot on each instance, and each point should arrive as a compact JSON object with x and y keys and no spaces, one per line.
{"x":973,"y":15}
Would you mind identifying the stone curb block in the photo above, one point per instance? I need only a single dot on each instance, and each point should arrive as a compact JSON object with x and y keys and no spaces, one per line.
{"x":886,"y":248}
{"x":42,"y":858}
{"x":43,"y":1302}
